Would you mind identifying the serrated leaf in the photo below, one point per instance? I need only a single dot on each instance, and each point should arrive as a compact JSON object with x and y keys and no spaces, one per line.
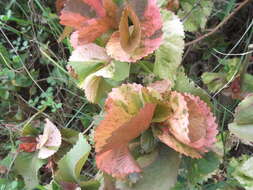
{"x":169,"y":54}
{"x":90,"y":66}
{"x":199,"y":13}
{"x":131,"y":43}
{"x":160,"y":175}
{"x":89,"y":18}
{"x":199,"y":170}
{"x":186,"y":85}
{"x":28,"y":165}
{"x":127,"y":116}
{"x":69,"y":167}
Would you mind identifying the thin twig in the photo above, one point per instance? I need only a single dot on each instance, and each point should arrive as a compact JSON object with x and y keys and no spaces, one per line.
{"x":241,"y":5}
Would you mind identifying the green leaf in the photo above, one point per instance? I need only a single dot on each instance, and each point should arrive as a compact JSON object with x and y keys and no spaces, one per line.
{"x":121,"y":70}
{"x":160,"y":175}
{"x":242,"y":126}
{"x":69,"y":135}
{"x":199,"y":170}
{"x":247,"y":83}
{"x":199,"y":13}
{"x":28,"y":165}
{"x":28,"y":130}
{"x":243,"y":168}
{"x":148,"y":141}
{"x":185,"y":85}
{"x":84,"y":69}
{"x":169,"y":54}
{"x":70,"y":166}
{"x":162,"y":3}
{"x":244,"y":132}
{"x":244,"y":111}
{"x":214,"y":81}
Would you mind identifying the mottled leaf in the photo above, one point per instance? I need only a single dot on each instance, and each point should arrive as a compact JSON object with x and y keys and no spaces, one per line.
{"x":132,"y":43}
{"x":199,"y":13}
{"x":123,"y":122}
{"x":169,"y":54}
{"x":88,"y":17}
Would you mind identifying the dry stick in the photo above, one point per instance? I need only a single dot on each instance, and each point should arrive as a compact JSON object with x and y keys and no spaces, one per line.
{"x":219,"y":25}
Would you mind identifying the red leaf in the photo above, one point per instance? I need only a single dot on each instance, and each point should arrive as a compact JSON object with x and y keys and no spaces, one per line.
{"x":59,"y":4}
{"x":119,"y":128}
{"x":124,"y":121}
{"x":28,"y":147}
{"x":202,"y":126}
{"x":118,"y":162}
{"x":90,"y":30}
{"x":167,"y":138}
{"x":151,"y":33}
{"x":191,"y":128}
{"x":89,"y":18}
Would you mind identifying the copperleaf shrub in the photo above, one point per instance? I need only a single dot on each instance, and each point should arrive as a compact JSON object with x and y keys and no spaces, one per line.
{"x":91,"y":19}
{"x":144,"y":127}
{"x":179,"y":120}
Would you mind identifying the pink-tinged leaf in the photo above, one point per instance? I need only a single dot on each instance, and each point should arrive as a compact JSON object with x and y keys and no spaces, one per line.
{"x":123,"y":122}
{"x":128,"y":96}
{"x":97,"y":5}
{"x":117,"y":162}
{"x":167,"y":138}
{"x":161,"y":86}
{"x":89,"y":18}
{"x":202,"y":126}
{"x":119,"y":128}
{"x":90,"y":30}
{"x":178,"y":121}
{"x":130,"y":36}
{"x":75,"y":12}
{"x":149,"y":19}
{"x":89,"y":52}
{"x":68,"y":185}
{"x":50,"y":141}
